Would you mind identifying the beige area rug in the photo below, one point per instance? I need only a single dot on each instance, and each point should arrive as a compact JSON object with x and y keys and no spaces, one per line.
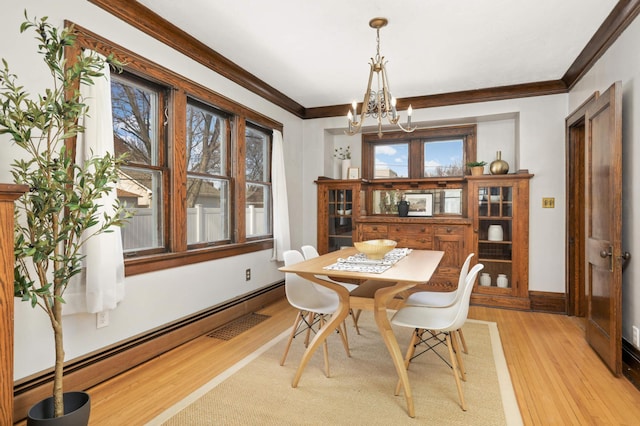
{"x":258,"y":390}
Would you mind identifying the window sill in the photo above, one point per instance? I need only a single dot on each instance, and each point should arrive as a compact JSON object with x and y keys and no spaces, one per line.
{"x":156,"y":262}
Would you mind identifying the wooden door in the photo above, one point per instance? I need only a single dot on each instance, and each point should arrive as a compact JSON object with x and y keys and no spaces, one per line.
{"x":603,"y":226}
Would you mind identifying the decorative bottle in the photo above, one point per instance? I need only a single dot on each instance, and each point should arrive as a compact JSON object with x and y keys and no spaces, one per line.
{"x":485,"y":279}
{"x":499,"y":166}
{"x":403,"y":208}
{"x":502,"y":281}
{"x":495,"y":233}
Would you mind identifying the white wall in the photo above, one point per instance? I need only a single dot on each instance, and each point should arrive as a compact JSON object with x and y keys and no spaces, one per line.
{"x":530,"y":134}
{"x":156,"y":298}
{"x":622,"y":63}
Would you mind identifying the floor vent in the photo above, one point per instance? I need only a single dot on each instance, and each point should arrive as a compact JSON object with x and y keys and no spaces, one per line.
{"x":237,"y":326}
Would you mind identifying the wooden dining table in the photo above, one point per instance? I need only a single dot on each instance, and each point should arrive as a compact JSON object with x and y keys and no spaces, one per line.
{"x":414,"y":268}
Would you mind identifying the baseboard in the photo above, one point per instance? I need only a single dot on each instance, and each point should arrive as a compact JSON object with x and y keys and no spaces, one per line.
{"x":83,"y":373}
{"x":631,"y":363}
{"x":544,"y":301}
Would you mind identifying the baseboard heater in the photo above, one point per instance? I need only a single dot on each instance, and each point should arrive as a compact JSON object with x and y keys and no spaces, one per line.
{"x":96,"y":367}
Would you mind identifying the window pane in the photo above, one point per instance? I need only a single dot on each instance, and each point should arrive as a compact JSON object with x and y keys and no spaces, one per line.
{"x":206,"y":133}
{"x":258,"y":210}
{"x":207,"y":210}
{"x":136,"y":131}
{"x":141,"y":190}
{"x":257,"y":143}
{"x":135,"y":121}
{"x":443,"y":158}
{"x":391,"y":160}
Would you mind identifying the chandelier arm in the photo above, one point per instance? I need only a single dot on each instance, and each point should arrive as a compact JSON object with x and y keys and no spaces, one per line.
{"x":392,"y":115}
{"x":407,"y":129}
{"x":354,"y":127}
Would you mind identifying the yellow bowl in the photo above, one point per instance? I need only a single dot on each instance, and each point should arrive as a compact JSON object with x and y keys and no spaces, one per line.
{"x":375,"y":249}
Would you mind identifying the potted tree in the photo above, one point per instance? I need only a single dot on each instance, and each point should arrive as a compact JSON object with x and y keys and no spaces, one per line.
{"x":476,"y":167}
{"x":61,"y":211}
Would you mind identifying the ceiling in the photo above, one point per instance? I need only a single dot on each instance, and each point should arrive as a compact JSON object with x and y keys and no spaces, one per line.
{"x":317,"y":52}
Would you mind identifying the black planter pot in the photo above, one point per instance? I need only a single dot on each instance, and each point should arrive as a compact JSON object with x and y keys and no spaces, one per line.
{"x":403,"y":208}
{"x":77,"y":406}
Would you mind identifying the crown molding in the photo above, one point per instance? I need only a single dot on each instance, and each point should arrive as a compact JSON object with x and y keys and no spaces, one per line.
{"x":618,"y":20}
{"x":159,"y":28}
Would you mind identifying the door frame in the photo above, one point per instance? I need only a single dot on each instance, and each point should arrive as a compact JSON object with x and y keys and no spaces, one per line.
{"x":576,"y":303}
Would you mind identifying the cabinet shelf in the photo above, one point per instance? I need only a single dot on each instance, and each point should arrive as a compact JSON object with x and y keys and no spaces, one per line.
{"x":482,"y":259}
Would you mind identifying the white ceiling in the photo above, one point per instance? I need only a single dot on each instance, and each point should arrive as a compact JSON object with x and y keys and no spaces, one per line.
{"x":317,"y":51}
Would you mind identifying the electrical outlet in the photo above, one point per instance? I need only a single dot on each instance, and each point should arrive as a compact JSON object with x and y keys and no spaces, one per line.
{"x":636,"y":336}
{"x":548,"y":203}
{"x":102,"y":319}
{"x":247,"y":274}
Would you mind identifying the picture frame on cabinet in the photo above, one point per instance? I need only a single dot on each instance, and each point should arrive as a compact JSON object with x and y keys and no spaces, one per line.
{"x":353,"y":173}
{"x":420,"y":204}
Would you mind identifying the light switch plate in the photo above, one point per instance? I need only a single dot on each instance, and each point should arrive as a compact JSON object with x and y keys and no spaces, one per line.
{"x":548,"y":203}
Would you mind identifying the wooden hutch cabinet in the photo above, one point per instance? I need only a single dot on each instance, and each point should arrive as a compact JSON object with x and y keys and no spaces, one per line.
{"x":338,"y":201}
{"x":465,"y":209}
{"x":499,"y":209}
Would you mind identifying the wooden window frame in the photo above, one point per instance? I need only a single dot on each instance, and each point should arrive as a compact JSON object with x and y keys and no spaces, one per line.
{"x":176,"y":252}
{"x":468,"y":133}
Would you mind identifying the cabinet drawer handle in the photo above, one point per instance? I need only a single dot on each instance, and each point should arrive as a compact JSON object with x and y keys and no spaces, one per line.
{"x":423,"y":240}
{"x":375,"y":228}
{"x":449,"y":230}
{"x":397,"y":229}
{"x":423,"y":229}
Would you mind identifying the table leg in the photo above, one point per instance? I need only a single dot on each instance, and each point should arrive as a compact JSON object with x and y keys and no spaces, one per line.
{"x":329,"y":327}
{"x":382,"y":298}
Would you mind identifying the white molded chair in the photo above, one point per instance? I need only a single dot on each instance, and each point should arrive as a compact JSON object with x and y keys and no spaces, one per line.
{"x":313,"y":305}
{"x":430,"y":323}
{"x":443,"y":298}
{"x":310,"y":252}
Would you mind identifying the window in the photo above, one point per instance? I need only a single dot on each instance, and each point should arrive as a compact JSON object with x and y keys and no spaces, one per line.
{"x":208,"y":182}
{"x":136,"y":107}
{"x":197,"y":173}
{"x":426,"y":153}
{"x":257,"y":181}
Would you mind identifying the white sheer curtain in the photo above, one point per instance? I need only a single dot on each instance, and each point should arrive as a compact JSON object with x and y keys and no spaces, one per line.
{"x":100,"y":286}
{"x":281,"y":234}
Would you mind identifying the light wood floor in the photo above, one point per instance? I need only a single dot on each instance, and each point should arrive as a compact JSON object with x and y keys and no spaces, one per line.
{"x":557,"y":378}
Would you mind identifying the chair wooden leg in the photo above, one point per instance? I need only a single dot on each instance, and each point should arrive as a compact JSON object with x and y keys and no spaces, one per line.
{"x":462,"y":341}
{"x":456,"y":349}
{"x":345,"y":340}
{"x":454,"y":364}
{"x":296,"y":322}
{"x":310,"y":319}
{"x":355,"y":317}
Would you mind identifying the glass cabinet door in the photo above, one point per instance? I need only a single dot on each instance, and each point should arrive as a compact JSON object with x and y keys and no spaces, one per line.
{"x":340,"y":218}
{"x":495,"y":232}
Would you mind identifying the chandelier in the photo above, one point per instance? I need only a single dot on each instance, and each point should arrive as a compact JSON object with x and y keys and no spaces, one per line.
{"x":378,"y":103}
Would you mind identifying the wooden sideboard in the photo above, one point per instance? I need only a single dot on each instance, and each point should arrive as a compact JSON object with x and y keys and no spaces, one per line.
{"x":346,"y":214}
{"x":448,"y":235}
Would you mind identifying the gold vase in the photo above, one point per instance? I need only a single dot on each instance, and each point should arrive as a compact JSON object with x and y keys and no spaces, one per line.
{"x":499,"y":166}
